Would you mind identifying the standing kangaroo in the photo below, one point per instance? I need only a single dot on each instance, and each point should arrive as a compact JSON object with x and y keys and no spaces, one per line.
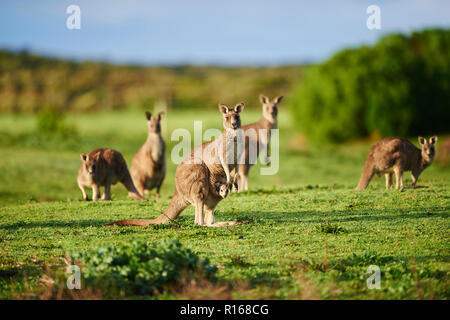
{"x":148,"y":167}
{"x":197,"y":174}
{"x":396,"y":155}
{"x":267,"y":122}
{"x":104,"y":167}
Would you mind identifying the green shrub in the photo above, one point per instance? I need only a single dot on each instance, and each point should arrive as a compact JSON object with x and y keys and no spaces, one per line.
{"x":51,"y":123}
{"x":140,"y":268}
{"x":365,"y":259}
{"x":400,"y":86}
{"x":333,"y":228}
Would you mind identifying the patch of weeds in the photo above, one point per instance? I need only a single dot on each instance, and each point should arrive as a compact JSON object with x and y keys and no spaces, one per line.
{"x":330,"y":228}
{"x":164,"y":226}
{"x":8,"y":273}
{"x":292,"y":244}
{"x":238,"y":261}
{"x":322,"y":266}
{"x":51,"y":122}
{"x":140,"y":268}
{"x":365,"y":259}
{"x":401,"y":271}
{"x":247,"y":219}
{"x":51,"y":131}
{"x":315,"y":265}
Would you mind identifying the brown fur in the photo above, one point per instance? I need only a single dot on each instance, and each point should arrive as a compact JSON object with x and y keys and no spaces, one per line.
{"x":267,"y":122}
{"x":221,"y":187}
{"x":148,"y":167}
{"x":396,"y":155}
{"x":103,"y":168}
{"x":195,"y":178}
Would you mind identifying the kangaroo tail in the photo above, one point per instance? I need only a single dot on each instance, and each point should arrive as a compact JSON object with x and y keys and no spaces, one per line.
{"x":366,"y":175}
{"x":132,"y":222}
{"x":176,"y":206}
{"x":132,"y":191}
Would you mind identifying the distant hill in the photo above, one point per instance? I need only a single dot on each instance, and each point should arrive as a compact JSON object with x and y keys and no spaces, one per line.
{"x":30,"y":82}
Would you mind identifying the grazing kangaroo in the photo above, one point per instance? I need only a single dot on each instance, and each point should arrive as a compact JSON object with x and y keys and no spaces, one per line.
{"x":396,"y":155}
{"x":267,"y":122}
{"x":148,"y":167}
{"x":104,"y":167}
{"x":197,"y":174}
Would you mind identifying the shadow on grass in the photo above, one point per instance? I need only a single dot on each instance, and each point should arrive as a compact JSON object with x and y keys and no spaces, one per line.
{"x":262,"y":218}
{"x":289,"y":190}
{"x":307,"y":216}
{"x":184,"y":221}
{"x":55,"y":224}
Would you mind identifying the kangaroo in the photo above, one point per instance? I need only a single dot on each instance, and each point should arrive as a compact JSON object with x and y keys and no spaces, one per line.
{"x":195,"y":176}
{"x":104,"y":167}
{"x":267,"y":122}
{"x":221,"y":189}
{"x":220,"y":186}
{"x":396,"y":155}
{"x":148,"y":167}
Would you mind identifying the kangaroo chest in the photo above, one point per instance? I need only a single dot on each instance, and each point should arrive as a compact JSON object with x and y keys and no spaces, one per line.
{"x":233,"y":149}
{"x":157,"y":149}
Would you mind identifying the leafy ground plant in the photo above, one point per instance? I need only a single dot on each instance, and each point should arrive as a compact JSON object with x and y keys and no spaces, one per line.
{"x":333,"y":228}
{"x":141,"y":268}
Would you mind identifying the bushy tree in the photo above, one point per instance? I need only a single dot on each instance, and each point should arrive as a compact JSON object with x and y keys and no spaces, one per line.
{"x":400,"y":86}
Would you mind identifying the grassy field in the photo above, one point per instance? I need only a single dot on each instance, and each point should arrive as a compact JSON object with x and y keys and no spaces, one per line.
{"x":308,"y":233}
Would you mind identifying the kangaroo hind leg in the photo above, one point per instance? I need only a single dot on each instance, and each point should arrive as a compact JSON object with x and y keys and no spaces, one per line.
{"x":199,"y":218}
{"x":388,"y":180}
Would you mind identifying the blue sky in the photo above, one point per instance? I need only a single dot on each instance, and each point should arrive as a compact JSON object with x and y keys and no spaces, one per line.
{"x":256,"y":32}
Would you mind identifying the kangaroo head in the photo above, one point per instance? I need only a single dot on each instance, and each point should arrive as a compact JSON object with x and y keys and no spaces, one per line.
{"x":154,"y":123}
{"x":231,"y":119}
{"x":222,"y":189}
{"x":90,"y":163}
{"x":428,"y":150}
{"x":270,"y":107}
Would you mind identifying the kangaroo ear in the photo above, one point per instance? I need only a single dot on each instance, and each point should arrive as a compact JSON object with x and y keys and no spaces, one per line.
{"x":263,"y":99}
{"x":148,"y":115}
{"x":223,"y":108}
{"x":239,"y":107}
{"x":160,"y":115}
{"x":278,"y":99}
{"x":433,"y":139}
{"x":422,"y":140}
{"x":83,"y":156}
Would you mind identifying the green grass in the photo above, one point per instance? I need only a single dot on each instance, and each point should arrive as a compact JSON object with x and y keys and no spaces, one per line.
{"x":308,"y":233}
